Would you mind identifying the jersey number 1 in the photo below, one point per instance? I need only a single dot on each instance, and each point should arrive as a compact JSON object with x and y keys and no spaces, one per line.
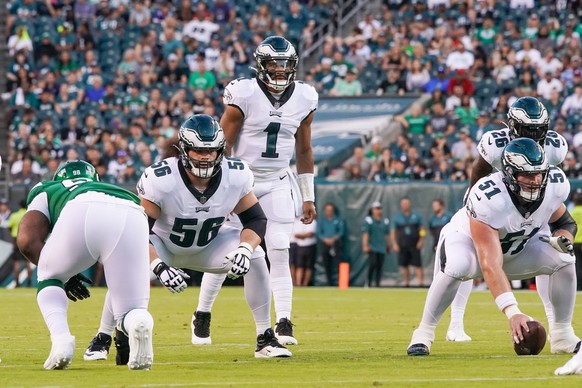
{"x":272,"y":134}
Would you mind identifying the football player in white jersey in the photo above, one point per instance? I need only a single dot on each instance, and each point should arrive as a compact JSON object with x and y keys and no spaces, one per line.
{"x":71,"y":223}
{"x":514,"y":226}
{"x":267,"y":119}
{"x":188,"y":198}
{"x":527,"y":117}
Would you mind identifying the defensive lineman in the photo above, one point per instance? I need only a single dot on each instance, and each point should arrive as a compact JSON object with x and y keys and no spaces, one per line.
{"x":527,"y":117}
{"x":266,"y":119}
{"x":89,"y":222}
{"x":514,"y":226}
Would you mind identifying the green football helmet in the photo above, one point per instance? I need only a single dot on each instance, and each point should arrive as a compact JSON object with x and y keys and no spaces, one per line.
{"x":528,"y":117}
{"x":201,"y":133}
{"x":524,"y":156}
{"x":76,"y":169}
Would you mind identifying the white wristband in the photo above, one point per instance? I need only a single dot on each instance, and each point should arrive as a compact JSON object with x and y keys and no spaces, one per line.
{"x":246,"y":245}
{"x":511,"y":311}
{"x":154,"y":263}
{"x":306,"y":187}
{"x":506,"y":300}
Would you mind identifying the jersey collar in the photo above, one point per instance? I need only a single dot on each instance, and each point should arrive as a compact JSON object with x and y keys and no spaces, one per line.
{"x":210,"y":190}
{"x":284,"y":97}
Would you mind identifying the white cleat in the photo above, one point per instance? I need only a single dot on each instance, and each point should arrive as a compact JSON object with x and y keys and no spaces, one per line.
{"x":62,"y":351}
{"x":564,"y":341}
{"x":141,"y":352}
{"x":457,"y":334}
{"x":572,"y":367}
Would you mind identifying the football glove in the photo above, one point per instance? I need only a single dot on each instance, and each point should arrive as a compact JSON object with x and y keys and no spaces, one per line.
{"x":241,"y":261}
{"x":559,"y":243}
{"x":75,"y":289}
{"x":172,"y":278}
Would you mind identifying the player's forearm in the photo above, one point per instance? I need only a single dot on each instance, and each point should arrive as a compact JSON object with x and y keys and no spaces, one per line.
{"x":480,"y":169}
{"x":250,"y":237}
{"x":32,"y":233}
{"x":304,"y":160}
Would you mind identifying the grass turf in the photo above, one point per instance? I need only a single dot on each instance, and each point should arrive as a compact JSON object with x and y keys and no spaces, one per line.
{"x":355,"y":338}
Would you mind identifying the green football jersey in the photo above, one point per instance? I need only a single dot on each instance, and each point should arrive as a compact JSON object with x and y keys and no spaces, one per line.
{"x":59,"y":193}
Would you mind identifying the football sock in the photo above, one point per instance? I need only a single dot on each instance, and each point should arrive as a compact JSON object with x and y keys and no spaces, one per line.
{"x":107,"y":319}
{"x":281,"y":282}
{"x":209,"y":288}
{"x":258,"y":294}
{"x":543,"y":288}
{"x":460,"y":303}
{"x":53,"y":304}
{"x":134,"y":317}
{"x":440,"y":295}
{"x":562,"y":293}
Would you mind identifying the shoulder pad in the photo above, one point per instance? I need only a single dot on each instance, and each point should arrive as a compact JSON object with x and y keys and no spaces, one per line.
{"x":240,"y":87}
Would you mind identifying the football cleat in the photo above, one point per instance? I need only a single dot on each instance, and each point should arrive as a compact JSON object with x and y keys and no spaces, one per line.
{"x":269,"y":347}
{"x":121,"y":348}
{"x":284,"y":332}
{"x":564,"y":341}
{"x":201,"y":328}
{"x":418,"y":350}
{"x":141,"y":352}
{"x":572,"y":367}
{"x":98,"y":348}
{"x":457,"y":334}
{"x":62,"y":350}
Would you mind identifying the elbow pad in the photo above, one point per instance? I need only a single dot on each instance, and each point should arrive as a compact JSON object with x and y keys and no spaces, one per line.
{"x":566,"y":222}
{"x":254,"y":218}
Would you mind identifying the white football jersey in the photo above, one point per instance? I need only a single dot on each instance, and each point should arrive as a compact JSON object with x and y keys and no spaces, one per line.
{"x":490,"y":202}
{"x":189,"y":219}
{"x":493,"y":142}
{"x":266,"y":140}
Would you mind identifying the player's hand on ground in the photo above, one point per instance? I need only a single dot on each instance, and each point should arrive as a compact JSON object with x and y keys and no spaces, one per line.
{"x":240,"y":260}
{"x":75,"y":289}
{"x":309,"y":212}
{"x":518,"y":326}
{"x":559,"y":243}
{"x":174,"y":279}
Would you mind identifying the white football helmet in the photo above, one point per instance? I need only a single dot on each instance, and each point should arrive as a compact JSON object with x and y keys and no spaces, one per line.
{"x":524,"y":156}
{"x":201,"y":133}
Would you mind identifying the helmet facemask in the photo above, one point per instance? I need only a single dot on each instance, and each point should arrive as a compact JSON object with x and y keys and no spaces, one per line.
{"x":516,"y":164}
{"x":201,"y":134}
{"x":200,"y":168}
{"x":527,"y":117}
{"x":277,"y":73}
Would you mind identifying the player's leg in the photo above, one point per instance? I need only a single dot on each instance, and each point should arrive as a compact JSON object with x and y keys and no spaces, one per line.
{"x":278,"y":206}
{"x":456,"y":330}
{"x":65,"y":254}
{"x":379,"y":267}
{"x":371,"y":265}
{"x":457,"y":260}
{"x":124,"y":254}
{"x":209,"y":289}
{"x":543,"y":289}
{"x":403,"y":264}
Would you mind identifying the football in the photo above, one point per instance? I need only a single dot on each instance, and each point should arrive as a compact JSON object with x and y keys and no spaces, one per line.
{"x":533,"y":342}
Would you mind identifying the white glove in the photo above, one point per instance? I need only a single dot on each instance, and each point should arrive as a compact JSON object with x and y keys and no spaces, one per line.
{"x":172,"y":278}
{"x":559,"y":243}
{"x":240,"y":259}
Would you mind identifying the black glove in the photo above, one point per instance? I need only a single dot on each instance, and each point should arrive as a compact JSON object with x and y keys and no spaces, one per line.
{"x":75,"y":289}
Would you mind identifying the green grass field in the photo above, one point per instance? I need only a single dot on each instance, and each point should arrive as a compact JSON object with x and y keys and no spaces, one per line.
{"x":354,"y":338}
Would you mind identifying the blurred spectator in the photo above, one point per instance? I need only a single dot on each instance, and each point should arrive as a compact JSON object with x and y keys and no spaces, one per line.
{"x":464,"y":148}
{"x":357,"y":163}
{"x":393,"y":84}
{"x":26,"y":176}
{"x":460,"y":78}
{"x":330,"y":231}
{"x":20,"y":41}
{"x":305,"y":236}
{"x":571,"y":167}
{"x":202,"y":79}
{"x":414,"y":122}
{"x":12,"y":223}
{"x":375,"y":242}
{"x":560,"y":127}
{"x":296,"y":21}
{"x":439,"y":121}
{"x":261,"y":21}
{"x":339,"y":65}
{"x":350,"y":86}
{"x":139,"y":14}
{"x":375,"y":152}
{"x":173,"y":74}
{"x":370,"y":27}
{"x":455,"y":99}
{"x":439,"y":146}
{"x":482,"y":126}
{"x":577,"y":139}
{"x":460,"y":58}
{"x":200,"y":28}
{"x":439,"y":218}
{"x":465,"y":113}
{"x":416,"y":77}
{"x":549,"y":63}
{"x":528,"y":55}
{"x":573,"y":103}
{"x":407,"y":234}
{"x":439,"y":82}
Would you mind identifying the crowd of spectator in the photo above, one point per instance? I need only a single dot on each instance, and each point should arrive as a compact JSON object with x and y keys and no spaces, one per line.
{"x":109,"y":81}
{"x":474,"y":59}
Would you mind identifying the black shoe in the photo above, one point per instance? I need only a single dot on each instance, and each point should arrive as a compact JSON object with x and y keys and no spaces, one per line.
{"x":284,"y":332}
{"x":201,"y":328}
{"x":122,"y":348}
{"x":269,"y":347}
{"x":98,"y":348}
{"x":418,"y":350}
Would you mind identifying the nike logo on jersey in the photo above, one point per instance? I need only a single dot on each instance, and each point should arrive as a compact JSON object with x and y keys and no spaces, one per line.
{"x":282,"y":177}
{"x":489,"y":141}
{"x":478,"y":198}
{"x":145,"y":174}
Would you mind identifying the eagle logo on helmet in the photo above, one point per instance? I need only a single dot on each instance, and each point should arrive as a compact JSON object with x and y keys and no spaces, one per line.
{"x":203,"y":134}
{"x":524,"y":156}
{"x":276,"y":62}
{"x":528,"y":117}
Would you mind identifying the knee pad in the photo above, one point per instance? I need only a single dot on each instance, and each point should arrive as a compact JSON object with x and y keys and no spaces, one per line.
{"x":278,"y":235}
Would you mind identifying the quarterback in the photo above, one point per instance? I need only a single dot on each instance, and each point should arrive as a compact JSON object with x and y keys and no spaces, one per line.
{"x":188,"y":198}
{"x":89,"y":222}
{"x":266,"y":119}
{"x":527,"y":117}
{"x":514,"y":226}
